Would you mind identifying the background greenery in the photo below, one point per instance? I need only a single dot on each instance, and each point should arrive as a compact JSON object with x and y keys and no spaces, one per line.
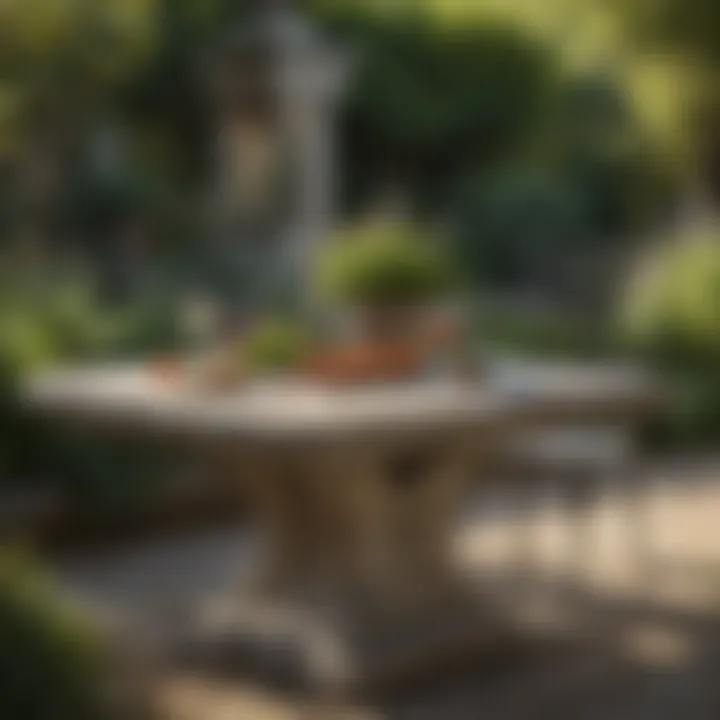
{"x":548,"y":140}
{"x":48,"y":318}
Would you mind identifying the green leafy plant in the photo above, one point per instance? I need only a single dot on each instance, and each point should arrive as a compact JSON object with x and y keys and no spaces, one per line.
{"x":53,"y":664}
{"x":671,"y":310}
{"x":670,"y":315}
{"x":384,"y":263}
{"x":48,"y":317}
{"x":275,"y":345}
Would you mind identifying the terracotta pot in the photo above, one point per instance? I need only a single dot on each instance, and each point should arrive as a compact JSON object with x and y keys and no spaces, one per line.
{"x":382,"y":323}
{"x":367,"y":362}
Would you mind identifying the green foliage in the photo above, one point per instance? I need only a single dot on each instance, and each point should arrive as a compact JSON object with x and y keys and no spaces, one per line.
{"x":275,"y":345}
{"x":62,"y":57}
{"x":42,"y":322}
{"x":586,"y":182}
{"x":49,"y":317}
{"x":692,"y":416}
{"x":671,"y":310}
{"x":518,"y":224}
{"x":545,"y":335}
{"x":422,"y":85}
{"x":670,"y":314}
{"x":53,"y":665}
{"x":597,"y":145}
{"x":428,"y":104}
{"x":384,"y":262}
{"x":692,"y":26}
{"x":46,"y":320}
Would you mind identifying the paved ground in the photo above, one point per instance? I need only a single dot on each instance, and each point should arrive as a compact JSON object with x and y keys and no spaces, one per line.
{"x":620,"y":640}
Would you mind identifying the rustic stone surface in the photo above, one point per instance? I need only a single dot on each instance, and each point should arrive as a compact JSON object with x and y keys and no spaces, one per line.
{"x":356,"y":493}
{"x":300,"y":411}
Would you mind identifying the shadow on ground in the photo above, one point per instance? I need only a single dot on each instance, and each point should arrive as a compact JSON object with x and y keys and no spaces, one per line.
{"x":588,"y":650}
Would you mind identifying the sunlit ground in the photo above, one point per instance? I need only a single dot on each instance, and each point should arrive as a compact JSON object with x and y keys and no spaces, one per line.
{"x":635,"y":615}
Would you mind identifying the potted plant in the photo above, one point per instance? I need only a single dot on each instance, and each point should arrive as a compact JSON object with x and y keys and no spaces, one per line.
{"x":389,"y":272}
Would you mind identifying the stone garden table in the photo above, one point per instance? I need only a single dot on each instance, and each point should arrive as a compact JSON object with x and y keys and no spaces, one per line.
{"x":356,"y":491}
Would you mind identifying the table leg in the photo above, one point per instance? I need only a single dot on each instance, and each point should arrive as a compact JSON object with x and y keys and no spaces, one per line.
{"x":361,"y":565}
{"x":401,"y":512}
{"x":423,"y":610}
{"x":287,"y":514}
{"x":433,"y":519}
{"x":315,"y":513}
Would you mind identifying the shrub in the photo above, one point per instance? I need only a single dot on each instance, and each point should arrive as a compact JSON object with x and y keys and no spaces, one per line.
{"x":545,"y":336}
{"x":671,"y":311}
{"x":45,"y":319}
{"x":53,"y":665}
{"x":384,"y":263}
{"x":518,"y":225}
{"x":671,"y":316}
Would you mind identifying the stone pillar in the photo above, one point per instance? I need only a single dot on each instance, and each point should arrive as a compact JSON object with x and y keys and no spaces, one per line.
{"x":308,"y":120}
{"x":280,"y":78}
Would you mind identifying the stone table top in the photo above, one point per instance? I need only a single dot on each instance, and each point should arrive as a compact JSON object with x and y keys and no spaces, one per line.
{"x":299,"y":409}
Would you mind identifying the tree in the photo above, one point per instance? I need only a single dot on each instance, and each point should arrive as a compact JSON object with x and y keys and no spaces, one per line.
{"x":60,"y":63}
{"x":689,"y":32}
{"x":516,"y":226}
{"x":428,"y":103}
